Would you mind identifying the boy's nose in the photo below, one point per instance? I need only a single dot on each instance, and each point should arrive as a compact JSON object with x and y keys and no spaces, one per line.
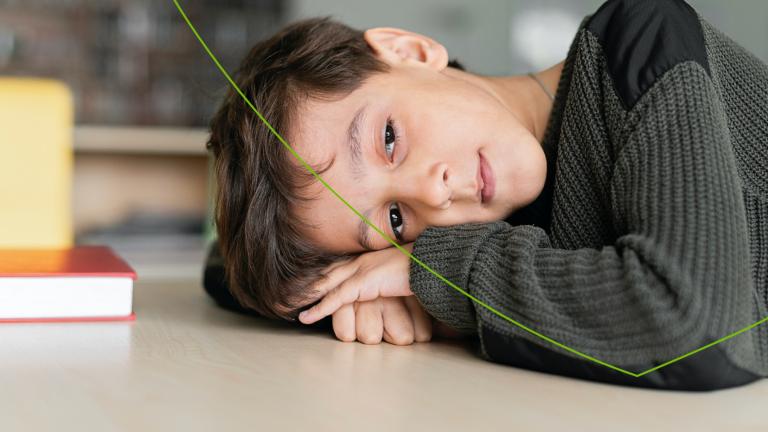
{"x":429,"y":186}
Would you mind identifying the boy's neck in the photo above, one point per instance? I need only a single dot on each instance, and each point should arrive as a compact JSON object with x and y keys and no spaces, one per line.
{"x":520,"y":94}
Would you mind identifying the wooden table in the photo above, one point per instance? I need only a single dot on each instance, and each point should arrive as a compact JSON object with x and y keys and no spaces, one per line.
{"x":186,"y":365}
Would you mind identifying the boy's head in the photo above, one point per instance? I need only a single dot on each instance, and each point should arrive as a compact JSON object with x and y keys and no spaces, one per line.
{"x":421,"y":126}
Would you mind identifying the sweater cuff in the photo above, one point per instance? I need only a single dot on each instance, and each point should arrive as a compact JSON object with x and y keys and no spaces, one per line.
{"x":449,"y":251}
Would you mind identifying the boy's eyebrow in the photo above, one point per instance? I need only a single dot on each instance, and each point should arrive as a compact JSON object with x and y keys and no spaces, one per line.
{"x":353,"y":141}
{"x":355,"y":150}
{"x":363,"y":233}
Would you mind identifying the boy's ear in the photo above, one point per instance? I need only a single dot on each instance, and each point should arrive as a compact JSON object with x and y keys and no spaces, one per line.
{"x":397,"y":46}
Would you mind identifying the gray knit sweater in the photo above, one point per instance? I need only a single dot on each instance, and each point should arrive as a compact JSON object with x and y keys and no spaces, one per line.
{"x":650,"y":238}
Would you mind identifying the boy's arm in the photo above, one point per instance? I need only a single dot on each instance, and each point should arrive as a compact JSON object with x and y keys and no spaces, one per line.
{"x":676,"y":278}
{"x":397,"y":320}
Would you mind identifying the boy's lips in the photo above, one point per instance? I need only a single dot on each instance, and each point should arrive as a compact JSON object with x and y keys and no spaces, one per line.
{"x":488,"y":182}
{"x":479,"y":179}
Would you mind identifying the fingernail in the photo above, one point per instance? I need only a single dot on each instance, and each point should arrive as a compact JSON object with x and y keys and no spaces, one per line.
{"x":302,"y":315}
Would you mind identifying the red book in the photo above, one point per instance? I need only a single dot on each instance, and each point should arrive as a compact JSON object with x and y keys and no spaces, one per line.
{"x":82,"y":283}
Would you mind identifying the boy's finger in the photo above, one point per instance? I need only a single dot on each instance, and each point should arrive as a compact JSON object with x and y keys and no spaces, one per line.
{"x":368,"y":322}
{"x":344,"y":323}
{"x":332,"y":266}
{"x":422,"y":323}
{"x":346,"y":293}
{"x":398,"y":325}
{"x":331,"y":280}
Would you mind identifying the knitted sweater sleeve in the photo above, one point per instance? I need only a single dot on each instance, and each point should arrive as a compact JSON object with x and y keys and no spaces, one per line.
{"x":677,"y":271}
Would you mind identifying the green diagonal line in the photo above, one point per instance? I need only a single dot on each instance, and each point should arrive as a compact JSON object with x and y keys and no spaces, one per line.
{"x":426,"y":267}
{"x":711,"y":344}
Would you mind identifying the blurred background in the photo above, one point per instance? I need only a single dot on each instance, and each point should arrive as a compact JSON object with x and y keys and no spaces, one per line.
{"x":143,"y":90}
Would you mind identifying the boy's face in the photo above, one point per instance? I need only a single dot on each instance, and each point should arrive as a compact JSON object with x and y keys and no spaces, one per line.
{"x":422,"y":131}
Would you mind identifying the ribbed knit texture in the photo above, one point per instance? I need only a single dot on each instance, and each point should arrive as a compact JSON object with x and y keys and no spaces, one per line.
{"x":656,"y":236}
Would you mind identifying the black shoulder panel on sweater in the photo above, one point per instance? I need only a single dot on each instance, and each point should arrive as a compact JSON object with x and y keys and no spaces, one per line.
{"x":704,"y":371}
{"x":642,"y":39}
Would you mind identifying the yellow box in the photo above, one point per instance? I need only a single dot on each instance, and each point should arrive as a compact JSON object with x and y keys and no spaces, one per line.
{"x":36,"y":162}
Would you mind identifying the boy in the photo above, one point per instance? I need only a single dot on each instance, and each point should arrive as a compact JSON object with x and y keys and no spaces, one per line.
{"x":607,"y":251}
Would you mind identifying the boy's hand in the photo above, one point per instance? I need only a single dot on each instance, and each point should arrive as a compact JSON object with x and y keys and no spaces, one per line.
{"x":397,"y":320}
{"x":381,"y":273}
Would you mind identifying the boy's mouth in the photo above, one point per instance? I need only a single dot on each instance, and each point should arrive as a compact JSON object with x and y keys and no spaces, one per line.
{"x":487,"y":180}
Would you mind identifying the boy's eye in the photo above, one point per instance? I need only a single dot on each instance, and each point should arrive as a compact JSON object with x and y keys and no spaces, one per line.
{"x":396,"y":221}
{"x":389,"y":140}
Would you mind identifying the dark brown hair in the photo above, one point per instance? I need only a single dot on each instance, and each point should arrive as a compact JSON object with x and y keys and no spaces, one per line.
{"x":268,"y":263}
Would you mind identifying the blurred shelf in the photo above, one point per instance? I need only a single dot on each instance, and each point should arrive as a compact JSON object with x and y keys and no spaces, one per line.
{"x":140,"y":140}
{"x":125,"y":170}
{"x":157,"y":256}
{"x":157,"y":246}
